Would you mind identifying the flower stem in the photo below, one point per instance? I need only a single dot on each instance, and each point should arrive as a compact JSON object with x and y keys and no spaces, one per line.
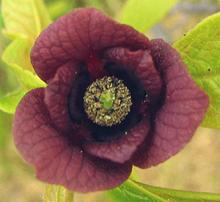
{"x":55,"y":193}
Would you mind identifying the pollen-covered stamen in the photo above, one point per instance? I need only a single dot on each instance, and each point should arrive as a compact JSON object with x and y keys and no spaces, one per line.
{"x":107,"y":101}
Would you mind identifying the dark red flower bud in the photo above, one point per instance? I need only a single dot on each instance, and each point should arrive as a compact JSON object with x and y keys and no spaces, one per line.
{"x":114,"y":99}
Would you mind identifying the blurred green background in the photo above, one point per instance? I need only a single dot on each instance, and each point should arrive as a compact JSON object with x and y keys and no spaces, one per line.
{"x":196,"y":168}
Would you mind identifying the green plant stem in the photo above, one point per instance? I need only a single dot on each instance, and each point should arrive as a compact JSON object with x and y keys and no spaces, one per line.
{"x":55,"y":193}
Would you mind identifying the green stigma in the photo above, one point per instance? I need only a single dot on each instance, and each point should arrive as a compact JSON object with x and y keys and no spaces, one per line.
{"x":107,"y":101}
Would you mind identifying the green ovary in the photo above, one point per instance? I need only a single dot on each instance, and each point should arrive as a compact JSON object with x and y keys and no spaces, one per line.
{"x":107,"y":99}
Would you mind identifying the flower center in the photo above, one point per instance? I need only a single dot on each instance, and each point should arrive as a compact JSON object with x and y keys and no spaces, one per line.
{"x":107,"y":101}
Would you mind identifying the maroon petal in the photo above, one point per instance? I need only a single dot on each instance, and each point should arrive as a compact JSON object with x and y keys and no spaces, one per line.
{"x":30,"y":127}
{"x":183,"y":110}
{"x":140,"y":62}
{"x":55,"y":159}
{"x":120,"y":150}
{"x":57,"y":100}
{"x":82,"y":173}
{"x":77,"y":35}
{"x":57,"y":96}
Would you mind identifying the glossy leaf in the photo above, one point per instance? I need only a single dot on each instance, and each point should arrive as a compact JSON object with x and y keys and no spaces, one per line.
{"x":16,"y":57}
{"x":24,"y":18}
{"x":143,"y":14}
{"x":200,"y":49}
{"x":55,"y":193}
{"x":9,"y":102}
{"x":138,"y":192}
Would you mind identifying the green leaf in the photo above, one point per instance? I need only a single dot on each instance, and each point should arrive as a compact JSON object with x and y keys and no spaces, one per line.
{"x":55,"y":193}
{"x":172,"y":195}
{"x":138,"y":192}
{"x":56,"y":8}
{"x":143,"y":14}
{"x":18,"y":52}
{"x":9,"y":102}
{"x":24,"y":18}
{"x":131,"y":191}
{"x":200,"y":50}
{"x":16,"y":57}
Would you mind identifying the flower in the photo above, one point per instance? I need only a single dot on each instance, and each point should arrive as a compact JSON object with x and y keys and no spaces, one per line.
{"x":114,"y":99}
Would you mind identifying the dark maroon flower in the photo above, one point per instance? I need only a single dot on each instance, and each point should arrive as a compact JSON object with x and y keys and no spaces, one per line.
{"x":114,"y":99}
